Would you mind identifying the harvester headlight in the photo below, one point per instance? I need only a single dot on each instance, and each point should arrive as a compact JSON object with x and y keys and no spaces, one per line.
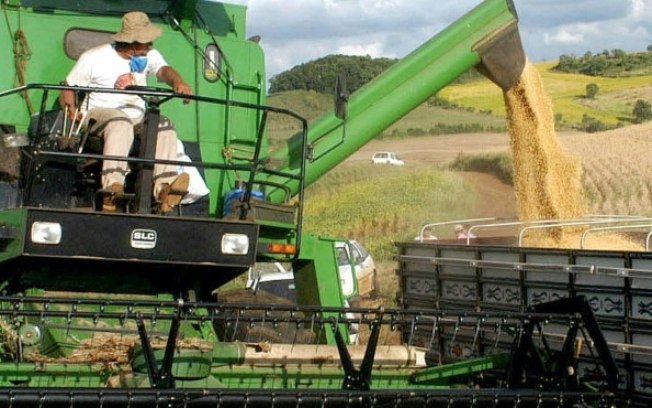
{"x":235,"y":244}
{"x":48,"y":233}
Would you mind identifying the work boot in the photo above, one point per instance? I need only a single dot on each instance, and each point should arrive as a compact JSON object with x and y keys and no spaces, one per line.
{"x":171,"y":194}
{"x":110,"y":197}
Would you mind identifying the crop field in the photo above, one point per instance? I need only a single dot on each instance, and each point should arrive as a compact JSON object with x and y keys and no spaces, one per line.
{"x":613,"y":104}
{"x":617,"y":168}
{"x":311,"y":105}
{"x":380,"y":204}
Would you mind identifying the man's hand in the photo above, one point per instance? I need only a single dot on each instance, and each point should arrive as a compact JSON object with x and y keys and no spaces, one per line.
{"x":67,"y":103}
{"x":171,"y":77}
{"x":181,"y":87}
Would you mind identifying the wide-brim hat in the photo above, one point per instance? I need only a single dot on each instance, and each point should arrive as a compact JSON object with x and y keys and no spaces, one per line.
{"x":136,"y":27}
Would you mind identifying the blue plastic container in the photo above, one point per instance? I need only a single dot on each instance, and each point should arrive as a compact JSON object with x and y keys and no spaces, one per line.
{"x":235,"y":195}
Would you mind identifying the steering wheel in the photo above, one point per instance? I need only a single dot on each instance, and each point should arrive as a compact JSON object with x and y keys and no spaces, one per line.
{"x":148,"y":89}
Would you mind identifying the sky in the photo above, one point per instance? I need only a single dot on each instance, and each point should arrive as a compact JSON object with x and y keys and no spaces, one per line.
{"x":299,"y":31}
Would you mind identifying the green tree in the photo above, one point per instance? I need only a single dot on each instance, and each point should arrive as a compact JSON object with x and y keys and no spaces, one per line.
{"x":642,"y":111}
{"x":319,"y":75}
{"x":591,"y":124}
{"x":618,"y":53}
{"x":592,"y":90}
{"x":614,"y":63}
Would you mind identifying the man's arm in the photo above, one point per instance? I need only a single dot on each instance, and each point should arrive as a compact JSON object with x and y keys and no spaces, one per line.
{"x":67,"y":100}
{"x":171,"y":77}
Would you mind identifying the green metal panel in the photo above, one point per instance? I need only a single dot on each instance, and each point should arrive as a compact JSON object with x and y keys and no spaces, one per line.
{"x":230,"y":376}
{"x":53,"y":375}
{"x":463,"y":368}
{"x":316,"y":276}
{"x":403,"y":87}
{"x":14,"y":219}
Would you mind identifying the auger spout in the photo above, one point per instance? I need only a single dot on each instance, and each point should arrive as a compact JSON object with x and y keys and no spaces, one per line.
{"x":502,"y":57}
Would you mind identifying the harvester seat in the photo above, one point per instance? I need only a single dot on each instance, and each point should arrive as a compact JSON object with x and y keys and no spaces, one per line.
{"x":50,"y":181}
{"x":64,"y":183}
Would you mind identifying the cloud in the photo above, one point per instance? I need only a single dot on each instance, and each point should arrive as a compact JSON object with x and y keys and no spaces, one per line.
{"x":374,"y":50}
{"x":627,"y":26}
{"x":546,"y":13}
{"x":563,"y":36}
{"x":300,"y":31}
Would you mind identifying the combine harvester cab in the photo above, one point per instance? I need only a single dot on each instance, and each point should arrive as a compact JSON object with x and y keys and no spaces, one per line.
{"x":118,"y":309}
{"x":50,"y":185}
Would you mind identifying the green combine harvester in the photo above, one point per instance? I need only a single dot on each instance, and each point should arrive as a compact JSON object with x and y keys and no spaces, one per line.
{"x":119,"y":309}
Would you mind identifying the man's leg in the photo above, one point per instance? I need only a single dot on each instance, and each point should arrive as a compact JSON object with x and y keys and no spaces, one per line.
{"x":166,"y":149}
{"x":117,"y":130}
{"x":169,"y":186}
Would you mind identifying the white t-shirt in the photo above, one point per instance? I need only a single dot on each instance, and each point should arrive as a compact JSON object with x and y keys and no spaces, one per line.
{"x":103,"y":67}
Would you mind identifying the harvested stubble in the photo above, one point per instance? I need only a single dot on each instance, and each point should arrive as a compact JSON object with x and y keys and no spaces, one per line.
{"x":114,"y":349}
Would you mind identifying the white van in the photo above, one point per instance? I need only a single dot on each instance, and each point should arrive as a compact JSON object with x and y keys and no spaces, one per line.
{"x":352,"y":252}
{"x":386,"y":158}
{"x":348,"y":253}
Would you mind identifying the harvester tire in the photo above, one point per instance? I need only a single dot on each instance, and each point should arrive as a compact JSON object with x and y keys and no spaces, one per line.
{"x":245,"y":330}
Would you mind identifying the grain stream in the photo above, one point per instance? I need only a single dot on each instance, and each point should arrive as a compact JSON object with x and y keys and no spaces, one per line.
{"x":547,"y":181}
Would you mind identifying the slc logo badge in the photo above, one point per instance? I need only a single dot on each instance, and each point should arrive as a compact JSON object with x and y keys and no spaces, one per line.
{"x":143,"y":239}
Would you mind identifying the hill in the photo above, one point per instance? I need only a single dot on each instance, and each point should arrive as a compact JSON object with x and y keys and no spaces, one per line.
{"x":613,"y":105}
{"x":319,"y":75}
{"x":427,"y":119}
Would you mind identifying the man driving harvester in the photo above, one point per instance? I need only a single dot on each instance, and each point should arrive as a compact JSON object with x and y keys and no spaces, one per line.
{"x":113,"y":116}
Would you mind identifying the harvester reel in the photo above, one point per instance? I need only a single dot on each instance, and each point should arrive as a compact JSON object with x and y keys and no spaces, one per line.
{"x":357,"y":379}
{"x":446,"y":385}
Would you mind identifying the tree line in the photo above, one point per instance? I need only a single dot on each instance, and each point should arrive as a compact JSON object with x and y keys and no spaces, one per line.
{"x":319,"y":75}
{"x":612,"y":63}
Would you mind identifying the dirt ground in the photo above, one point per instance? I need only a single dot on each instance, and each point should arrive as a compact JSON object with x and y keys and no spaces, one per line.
{"x":498,"y":198}
{"x":435,"y":150}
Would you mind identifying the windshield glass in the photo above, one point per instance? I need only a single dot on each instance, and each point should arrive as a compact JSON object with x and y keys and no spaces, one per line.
{"x":284,"y":288}
{"x":360,"y":252}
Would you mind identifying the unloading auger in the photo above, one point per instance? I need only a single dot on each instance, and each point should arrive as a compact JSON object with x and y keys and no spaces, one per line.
{"x":486,"y":38}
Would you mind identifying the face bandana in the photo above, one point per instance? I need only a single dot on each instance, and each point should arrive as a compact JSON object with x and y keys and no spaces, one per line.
{"x":138,"y":64}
